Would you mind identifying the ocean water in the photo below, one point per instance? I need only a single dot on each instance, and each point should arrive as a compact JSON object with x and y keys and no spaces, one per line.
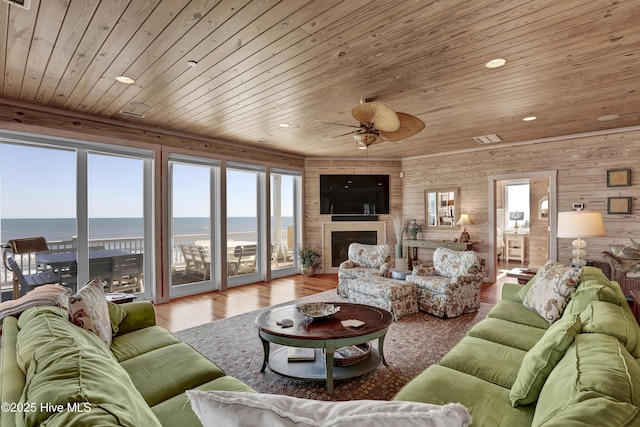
{"x":54,"y":229}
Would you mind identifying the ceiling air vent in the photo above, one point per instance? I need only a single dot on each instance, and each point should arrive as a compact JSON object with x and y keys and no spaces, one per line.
{"x":25,"y":4}
{"x":487,"y":139}
{"x":131,"y":113}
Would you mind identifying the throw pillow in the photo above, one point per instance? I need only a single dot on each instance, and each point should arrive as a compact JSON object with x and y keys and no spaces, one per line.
{"x":116,"y":316}
{"x":538,"y":363}
{"x":552,"y":290}
{"x":523,"y":292}
{"x":89,"y":309}
{"x":217,"y":408}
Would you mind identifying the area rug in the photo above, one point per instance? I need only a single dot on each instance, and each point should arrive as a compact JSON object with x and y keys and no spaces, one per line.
{"x":413,"y":343}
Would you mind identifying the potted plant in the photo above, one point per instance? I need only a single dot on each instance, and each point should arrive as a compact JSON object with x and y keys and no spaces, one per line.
{"x":310,"y":258}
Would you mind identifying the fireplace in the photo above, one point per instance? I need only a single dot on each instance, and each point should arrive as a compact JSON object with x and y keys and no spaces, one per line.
{"x":337,"y":236}
{"x":340,"y":241}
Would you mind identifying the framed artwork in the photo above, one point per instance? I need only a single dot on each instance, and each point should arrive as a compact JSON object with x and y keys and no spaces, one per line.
{"x":619,"y":178}
{"x":619,"y":205}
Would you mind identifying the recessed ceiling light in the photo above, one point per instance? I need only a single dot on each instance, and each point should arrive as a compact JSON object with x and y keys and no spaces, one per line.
{"x":362,"y":148}
{"x":608,"y":117}
{"x":284,"y":125}
{"x":192,"y":63}
{"x":125,"y":80}
{"x":529,"y":118}
{"x":495,"y":63}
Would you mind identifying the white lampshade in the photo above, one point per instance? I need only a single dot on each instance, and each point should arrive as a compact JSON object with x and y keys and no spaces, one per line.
{"x":464,"y":220}
{"x":580,"y":224}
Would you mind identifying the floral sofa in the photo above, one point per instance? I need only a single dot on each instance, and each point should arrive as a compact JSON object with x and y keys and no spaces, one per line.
{"x":364,"y":261}
{"x":451,"y":286}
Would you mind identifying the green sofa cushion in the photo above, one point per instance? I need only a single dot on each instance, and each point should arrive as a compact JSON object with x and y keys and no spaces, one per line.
{"x":487,"y":403}
{"x":594,"y":363}
{"x":12,"y":381}
{"x":542,"y":358}
{"x":68,"y":371}
{"x":33,"y":312}
{"x":128,"y":346}
{"x":611,"y":319}
{"x":48,"y":327}
{"x":177,"y":410}
{"x":116,"y":316}
{"x":140,"y":314}
{"x":490,"y":361}
{"x":517,"y":313}
{"x":592,"y":409}
{"x":502,"y":331}
{"x":586,"y":295}
{"x":167,"y":371}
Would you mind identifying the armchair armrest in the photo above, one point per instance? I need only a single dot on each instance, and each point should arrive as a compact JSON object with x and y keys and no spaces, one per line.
{"x":347,"y":264}
{"x":384,"y":269}
{"x":424,"y":270}
{"x":140,"y":314}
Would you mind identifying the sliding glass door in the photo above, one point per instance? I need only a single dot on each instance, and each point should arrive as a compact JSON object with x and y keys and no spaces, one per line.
{"x":91,"y":202}
{"x":193,"y":222}
{"x":244,"y":230}
{"x":284,"y":221}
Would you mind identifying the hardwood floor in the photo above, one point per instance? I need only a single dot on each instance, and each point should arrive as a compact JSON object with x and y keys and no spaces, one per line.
{"x":186,"y":312}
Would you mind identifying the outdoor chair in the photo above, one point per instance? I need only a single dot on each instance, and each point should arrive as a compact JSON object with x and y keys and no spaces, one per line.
{"x":451,"y":286}
{"x":29,"y":282}
{"x":196,"y":259}
{"x":247,"y":261}
{"x":127,"y":273}
{"x":98,"y":267}
{"x":364,"y":261}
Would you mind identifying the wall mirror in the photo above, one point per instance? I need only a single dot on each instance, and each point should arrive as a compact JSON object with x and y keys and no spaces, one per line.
{"x":441,"y":208}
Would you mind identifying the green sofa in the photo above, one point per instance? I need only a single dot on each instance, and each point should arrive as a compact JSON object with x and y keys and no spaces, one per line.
{"x":57,"y":374}
{"x":581,"y":371}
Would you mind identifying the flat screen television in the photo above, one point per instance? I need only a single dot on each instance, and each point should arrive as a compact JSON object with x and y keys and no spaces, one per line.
{"x":354,"y":194}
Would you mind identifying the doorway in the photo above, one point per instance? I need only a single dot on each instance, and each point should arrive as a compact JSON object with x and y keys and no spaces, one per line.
{"x":537,"y":241}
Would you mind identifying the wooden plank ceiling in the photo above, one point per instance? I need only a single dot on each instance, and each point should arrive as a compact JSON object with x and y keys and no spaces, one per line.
{"x":308,"y":63}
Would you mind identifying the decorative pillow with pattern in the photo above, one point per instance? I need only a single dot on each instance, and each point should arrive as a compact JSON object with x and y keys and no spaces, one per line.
{"x":552,"y":290}
{"x":88,"y":309}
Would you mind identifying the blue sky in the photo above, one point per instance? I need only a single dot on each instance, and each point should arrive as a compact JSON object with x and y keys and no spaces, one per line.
{"x":41,"y":183}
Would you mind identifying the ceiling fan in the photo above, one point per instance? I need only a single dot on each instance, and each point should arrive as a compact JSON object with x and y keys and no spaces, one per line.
{"x":379,"y":122}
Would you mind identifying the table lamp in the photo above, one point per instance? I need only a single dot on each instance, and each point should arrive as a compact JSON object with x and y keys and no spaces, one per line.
{"x":579,"y":224}
{"x":516,"y":216}
{"x":464,"y":220}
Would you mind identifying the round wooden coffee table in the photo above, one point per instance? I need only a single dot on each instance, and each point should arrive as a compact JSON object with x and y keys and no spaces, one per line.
{"x":326,"y":334}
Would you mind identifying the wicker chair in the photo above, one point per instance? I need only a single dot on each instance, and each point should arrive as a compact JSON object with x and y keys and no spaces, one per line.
{"x":622,"y":269}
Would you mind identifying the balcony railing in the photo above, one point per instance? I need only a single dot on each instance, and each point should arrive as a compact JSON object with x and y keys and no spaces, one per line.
{"x":28,"y":264}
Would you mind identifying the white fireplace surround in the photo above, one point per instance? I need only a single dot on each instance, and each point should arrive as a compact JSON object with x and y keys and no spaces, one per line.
{"x":380,"y":227}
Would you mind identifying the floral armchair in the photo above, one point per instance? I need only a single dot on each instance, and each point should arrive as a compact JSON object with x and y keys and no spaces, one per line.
{"x":364,"y":261}
{"x":451,"y":286}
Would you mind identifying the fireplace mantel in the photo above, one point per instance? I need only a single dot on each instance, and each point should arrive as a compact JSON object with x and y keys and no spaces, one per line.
{"x":380,"y":227}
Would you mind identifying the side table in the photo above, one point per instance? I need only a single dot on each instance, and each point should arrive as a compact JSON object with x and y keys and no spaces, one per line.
{"x":635,"y":308}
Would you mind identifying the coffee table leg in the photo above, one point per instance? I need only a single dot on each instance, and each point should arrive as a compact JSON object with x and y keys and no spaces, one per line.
{"x":265,"y":347}
{"x":329,"y":351}
{"x":381,"y":350}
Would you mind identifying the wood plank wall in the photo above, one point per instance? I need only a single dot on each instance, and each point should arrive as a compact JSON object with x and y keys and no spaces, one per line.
{"x":316,"y":167}
{"x":538,"y":239}
{"x":582,"y":164}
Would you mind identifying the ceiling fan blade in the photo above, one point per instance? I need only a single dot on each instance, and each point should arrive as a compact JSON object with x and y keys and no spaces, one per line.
{"x":409,"y":126}
{"x":378,"y":114}
{"x":336,"y":124}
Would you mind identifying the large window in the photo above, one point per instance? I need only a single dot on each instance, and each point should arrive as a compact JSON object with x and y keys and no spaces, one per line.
{"x":91,"y":203}
{"x":518,"y":215}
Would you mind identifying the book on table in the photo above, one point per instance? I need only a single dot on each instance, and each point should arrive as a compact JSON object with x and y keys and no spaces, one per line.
{"x":300,"y":354}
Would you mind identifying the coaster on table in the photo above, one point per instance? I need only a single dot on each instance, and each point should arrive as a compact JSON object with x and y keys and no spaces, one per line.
{"x":352,"y":323}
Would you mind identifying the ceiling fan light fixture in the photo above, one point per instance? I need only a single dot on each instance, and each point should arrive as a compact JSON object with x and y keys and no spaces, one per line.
{"x":366,"y":138}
